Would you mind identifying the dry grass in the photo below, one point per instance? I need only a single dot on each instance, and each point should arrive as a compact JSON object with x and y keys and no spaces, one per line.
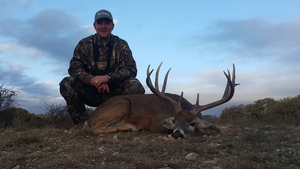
{"x":238,"y":147}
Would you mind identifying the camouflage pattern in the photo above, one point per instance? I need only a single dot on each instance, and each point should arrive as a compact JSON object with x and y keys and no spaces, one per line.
{"x":76,"y":88}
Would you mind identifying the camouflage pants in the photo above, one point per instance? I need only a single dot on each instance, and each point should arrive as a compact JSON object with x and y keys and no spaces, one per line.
{"x":78,"y":94}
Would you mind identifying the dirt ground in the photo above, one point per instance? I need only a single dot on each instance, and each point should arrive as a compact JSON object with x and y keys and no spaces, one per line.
{"x":258,"y":146}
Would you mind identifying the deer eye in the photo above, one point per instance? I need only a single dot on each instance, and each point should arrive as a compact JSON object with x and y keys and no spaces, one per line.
{"x":173,"y":121}
{"x":193,"y":124}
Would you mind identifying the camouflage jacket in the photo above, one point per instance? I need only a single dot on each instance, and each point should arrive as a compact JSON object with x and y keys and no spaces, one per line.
{"x":91,"y":58}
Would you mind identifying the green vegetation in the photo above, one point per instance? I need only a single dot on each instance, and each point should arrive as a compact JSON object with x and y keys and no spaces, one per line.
{"x":286,"y":110}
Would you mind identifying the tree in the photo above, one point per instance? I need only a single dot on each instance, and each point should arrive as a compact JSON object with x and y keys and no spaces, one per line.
{"x":6,"y":98}
{"x":259,"y":108}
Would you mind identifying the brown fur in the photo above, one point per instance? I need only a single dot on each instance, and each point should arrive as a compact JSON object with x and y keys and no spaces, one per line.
{"x":158,"y":112}
{"x":131,"y":112}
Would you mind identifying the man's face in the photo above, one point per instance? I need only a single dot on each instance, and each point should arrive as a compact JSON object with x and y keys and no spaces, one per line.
{"x":104,"y":27}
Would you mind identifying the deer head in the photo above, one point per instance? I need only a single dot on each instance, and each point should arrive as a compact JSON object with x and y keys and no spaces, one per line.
{"x":185,"y":122}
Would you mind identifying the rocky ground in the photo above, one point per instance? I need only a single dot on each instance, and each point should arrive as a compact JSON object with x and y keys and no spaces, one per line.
{"x":237,"y":147}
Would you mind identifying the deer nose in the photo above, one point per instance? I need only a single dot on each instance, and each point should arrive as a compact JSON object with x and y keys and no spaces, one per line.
{"x":177,"y":134}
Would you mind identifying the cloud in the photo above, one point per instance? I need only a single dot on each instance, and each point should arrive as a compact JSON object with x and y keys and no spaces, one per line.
{"x":256,"y":38}
{"x":20,"y":4}
{"x":21,"y":82}
{"x":30,"y":92}
{"x":46,"y":38}
{"x":4,"y":47}
{"x":53,"y":31}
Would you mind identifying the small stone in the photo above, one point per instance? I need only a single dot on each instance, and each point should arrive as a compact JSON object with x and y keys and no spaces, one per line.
{"x":135,"y":139}
{"x":214,"y":145}
{"x":115,"y":153}
{"x":214,"y":161}
{"x":115,"y":138}
{"x":192,"y":156}
{"x":101,"y":149}
{"x":16,"y":167}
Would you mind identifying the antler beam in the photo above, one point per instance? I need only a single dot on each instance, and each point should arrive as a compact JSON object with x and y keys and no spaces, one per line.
{"x":228,"y":94}
{"x":155,"y":90}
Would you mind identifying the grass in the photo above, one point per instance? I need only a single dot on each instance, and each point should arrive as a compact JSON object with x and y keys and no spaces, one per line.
{"x":247,"y":146}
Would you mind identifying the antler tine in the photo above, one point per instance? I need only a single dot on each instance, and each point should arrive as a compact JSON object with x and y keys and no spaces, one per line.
{"x":227,"y":89}
{"x":196,"y":106}
{"x":157,"y":75}
{"x":233,"y":76}
{"x":178,"y":103}
{"x":228,"y":76}
{"x":148,"y":79}
{"x":165,"y":81}
{"x":155,"y":90}
{"x":228,"y":94}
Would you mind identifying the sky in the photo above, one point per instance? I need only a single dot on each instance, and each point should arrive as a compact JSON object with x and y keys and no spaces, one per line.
{"x":198,"y":39}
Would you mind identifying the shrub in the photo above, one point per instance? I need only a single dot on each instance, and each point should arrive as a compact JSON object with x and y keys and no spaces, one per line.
{"x":211,"y":118}
{"x":232,"y":113}
{"x":286,"y":110}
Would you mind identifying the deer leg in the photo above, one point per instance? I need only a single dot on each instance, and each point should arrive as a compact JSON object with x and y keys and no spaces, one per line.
{"x":122,"y":127}
{"x":112,"y":118}
{"x":127,"y":127}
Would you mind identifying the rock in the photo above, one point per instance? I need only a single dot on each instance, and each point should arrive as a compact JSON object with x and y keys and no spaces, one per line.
{"x":101,"y":149}
{"x":115,"y":138}
{"x":135,"y":139}
{"x":214,"y":161}
{"x":16,"y":167}
{"x":217,"y":167}
{"x":115,"y":153}
{"x":192,"y":156}
{"x":214,"y":145}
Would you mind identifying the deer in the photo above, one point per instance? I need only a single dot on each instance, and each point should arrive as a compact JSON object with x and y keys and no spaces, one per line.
{"x":158,"y":112}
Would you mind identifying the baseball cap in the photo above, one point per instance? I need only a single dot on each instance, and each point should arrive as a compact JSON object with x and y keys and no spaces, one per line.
{"x":103,"y":14}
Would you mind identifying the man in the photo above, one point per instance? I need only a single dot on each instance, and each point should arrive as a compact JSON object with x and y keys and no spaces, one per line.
{"x":102,"y":67}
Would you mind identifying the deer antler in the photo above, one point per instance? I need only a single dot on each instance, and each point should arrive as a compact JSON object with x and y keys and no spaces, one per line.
{"x":155,"y":90}
{"x":228,"y":94}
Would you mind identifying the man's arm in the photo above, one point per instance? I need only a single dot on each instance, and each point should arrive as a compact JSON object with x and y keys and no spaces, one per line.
{"x":78,"y":64}
{"x":127,"y":64}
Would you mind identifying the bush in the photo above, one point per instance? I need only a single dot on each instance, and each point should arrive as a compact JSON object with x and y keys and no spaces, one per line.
{"x":232,"y":113}
{"x":211,"y":118}
{"x":258,"y":110}
{"x":286,"y":110}
{"x":18,"y":117}
{"x":57,"y":115}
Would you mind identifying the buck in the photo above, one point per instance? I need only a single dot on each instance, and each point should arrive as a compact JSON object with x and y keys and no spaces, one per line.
{"x":157,"y":112}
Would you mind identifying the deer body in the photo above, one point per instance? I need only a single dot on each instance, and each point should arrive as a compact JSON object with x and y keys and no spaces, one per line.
{"x":157,"y":112}
{"x":133,"y":112}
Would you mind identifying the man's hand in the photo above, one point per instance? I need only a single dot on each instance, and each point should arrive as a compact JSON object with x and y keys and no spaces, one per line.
{"x":103,"y":88}
{"x":100,"y":82}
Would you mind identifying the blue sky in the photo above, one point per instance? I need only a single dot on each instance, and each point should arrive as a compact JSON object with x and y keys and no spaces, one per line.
{"x":198,"y":39}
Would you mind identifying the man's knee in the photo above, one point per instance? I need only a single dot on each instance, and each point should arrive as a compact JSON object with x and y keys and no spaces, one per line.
{"x":66,"y":82}
{"x":65,"y":86}
{"x":134,"y":86}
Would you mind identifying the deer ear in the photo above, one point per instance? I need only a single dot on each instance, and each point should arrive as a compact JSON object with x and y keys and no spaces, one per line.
{"x":168,"y":123}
